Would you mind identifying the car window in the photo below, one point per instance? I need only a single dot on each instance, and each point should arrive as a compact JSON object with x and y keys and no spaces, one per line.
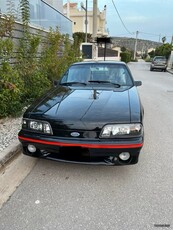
{"x":77,"y":74}
{"x":88,"y":73}
{"x":120,"y":76}
{"x":160,"y":59}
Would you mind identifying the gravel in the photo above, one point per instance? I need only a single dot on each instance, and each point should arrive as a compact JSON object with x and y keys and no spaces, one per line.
{"x":9,"y":128}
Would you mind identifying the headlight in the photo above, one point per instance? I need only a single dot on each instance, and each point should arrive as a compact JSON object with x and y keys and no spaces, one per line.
{"x":38,"y":126}
{"x":121,"y":130}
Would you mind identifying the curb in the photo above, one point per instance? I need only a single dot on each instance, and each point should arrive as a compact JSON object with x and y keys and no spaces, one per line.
{"x":10,"y":152}
{"x":170,"y":71}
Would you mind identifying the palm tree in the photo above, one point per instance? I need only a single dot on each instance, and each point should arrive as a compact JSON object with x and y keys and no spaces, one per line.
{"x":164,"y":39}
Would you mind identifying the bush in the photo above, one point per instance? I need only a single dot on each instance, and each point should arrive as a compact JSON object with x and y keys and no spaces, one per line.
{"x":11,"y":85}
{"x":57,"y":54}
{"x":35,"y":85}
{"x":148,"y":59}
{"x":11,"y":88}
{"x":37,"y":67}
{"x":125,"y":56}
{"x":34,"y":80}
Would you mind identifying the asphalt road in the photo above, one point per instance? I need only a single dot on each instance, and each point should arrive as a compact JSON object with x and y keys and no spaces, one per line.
{"x":59,"y":196}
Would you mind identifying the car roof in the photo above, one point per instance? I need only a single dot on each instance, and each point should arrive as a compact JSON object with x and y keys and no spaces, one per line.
{"x":159,"y":57}
{"x":100,"y":62}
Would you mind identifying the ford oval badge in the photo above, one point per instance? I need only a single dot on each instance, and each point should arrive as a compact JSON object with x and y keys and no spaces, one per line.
{"x":75,"y":134}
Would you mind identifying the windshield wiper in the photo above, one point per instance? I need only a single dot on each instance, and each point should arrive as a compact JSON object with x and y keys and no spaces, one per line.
{"x":109,"y":82}
{"x":73,"y":83}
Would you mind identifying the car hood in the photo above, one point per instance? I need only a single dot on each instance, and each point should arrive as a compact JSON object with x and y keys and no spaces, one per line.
{"x":67,"y":104}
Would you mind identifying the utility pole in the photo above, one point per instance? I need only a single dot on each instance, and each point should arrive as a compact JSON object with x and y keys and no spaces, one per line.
{"x":159,"y":37}
{"x":94,"y":35}
{"x":136,"y":41}
{"x":86,"y":20}
{"x":86,"y":17}
{"x":94,"y":19}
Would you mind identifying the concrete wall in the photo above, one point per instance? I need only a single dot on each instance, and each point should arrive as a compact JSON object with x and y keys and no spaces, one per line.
{"x":18,"y":33}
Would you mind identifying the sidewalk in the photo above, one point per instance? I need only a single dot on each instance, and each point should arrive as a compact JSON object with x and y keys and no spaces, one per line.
{"x":170,"y":70}
{"x":8,"y":153}
{"x":9,"y":143}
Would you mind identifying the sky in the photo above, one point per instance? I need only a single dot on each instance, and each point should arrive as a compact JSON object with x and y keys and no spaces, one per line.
{"x":153,"y":19}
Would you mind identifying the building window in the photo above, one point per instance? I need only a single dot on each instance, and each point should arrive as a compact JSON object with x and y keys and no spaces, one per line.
{"x":74,"y":23}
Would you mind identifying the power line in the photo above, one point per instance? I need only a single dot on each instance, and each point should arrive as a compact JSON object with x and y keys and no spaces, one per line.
{"x":132,"y":33}
{"x":149,"y":33}
{"x":158,"y":35}
{"x":121,"y":18}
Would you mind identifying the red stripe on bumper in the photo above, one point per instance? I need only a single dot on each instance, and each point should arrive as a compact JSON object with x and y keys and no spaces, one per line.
{"x":104,"y":146}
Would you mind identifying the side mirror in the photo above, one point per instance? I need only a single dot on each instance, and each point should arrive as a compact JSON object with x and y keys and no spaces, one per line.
{"x":138,"y":83}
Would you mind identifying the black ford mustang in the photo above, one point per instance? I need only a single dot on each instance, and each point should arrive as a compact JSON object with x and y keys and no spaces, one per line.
{"x":93,"y":115}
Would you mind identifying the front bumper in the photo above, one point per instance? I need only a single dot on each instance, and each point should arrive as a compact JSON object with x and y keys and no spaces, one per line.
{"x":105,"y":152}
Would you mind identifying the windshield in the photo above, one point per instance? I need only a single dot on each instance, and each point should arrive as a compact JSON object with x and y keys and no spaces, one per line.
{"x":98,"y":73}
{"x":159,"y":59}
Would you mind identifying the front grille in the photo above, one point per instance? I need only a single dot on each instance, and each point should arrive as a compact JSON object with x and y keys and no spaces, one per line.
{"x":82,"y":133}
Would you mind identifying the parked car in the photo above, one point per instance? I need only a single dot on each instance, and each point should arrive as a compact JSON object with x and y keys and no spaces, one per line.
{"x":93,"y":115}
{"x":158,"y":63}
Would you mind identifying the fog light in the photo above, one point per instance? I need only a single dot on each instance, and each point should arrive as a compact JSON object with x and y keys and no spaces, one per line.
{"x":32,"y":148}
{"x":124,"y":156}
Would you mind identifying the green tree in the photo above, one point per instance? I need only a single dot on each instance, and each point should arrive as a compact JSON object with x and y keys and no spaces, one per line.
{"x":164,"y":50}
{"x":123,"y":49}
{"x":164,"y":40}
{"x":80,"y":37}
